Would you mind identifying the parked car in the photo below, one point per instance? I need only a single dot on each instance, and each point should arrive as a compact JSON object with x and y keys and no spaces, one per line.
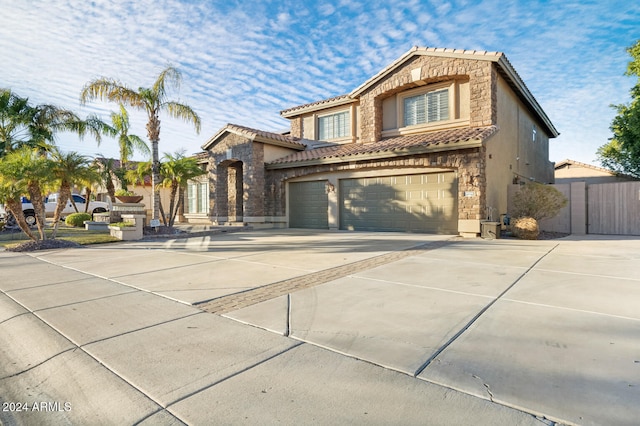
{"x":50,"y":205}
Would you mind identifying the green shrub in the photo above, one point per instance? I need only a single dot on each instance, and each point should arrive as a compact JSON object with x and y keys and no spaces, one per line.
{"x":77,"y":219}
{"x":124,"y":192}
{"x":537,"y":201}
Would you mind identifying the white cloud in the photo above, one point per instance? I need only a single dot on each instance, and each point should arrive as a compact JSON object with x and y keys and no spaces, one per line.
{"x":244,"y":65}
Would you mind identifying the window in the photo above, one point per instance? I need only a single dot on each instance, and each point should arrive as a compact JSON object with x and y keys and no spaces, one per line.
{"x":198,"y":197}
{"x":426,"y":107}
{"x":78,"y":199}
{"x":333,"y":126}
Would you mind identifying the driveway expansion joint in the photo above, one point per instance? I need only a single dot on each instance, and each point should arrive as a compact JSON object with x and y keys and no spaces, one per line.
{"x":235,"y":301}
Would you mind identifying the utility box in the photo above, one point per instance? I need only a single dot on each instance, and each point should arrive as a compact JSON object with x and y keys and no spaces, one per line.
{"x":490,"y":230}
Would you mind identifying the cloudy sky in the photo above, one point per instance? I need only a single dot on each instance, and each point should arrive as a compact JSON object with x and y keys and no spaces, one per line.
{"x":244,"y":61}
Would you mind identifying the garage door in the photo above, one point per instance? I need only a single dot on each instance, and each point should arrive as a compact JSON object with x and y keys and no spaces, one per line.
{"x":308,"y":205}
{"x":409,"y":203}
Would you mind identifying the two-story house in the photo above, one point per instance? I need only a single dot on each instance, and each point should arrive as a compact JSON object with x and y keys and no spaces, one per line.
{"x":429,"y":144}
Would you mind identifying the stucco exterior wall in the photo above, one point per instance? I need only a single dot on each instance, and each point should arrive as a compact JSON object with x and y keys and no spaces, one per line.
{"x":310,"y":122}
{"x":512,"y":152}
{"x":459,"y":115}
{"x":272,"y":152}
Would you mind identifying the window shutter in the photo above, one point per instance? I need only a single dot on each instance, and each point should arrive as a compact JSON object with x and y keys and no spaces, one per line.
{"x":438,"y":105}
{"x":333,"y":126}
{"x":426,"y":108}
{"x":415,"y":110}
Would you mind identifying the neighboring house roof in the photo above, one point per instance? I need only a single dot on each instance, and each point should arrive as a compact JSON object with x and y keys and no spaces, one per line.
{"x":390,"y":147}
{"x":568,"y":163}
{"x":257,"y":136}
{"x":504,"y":67}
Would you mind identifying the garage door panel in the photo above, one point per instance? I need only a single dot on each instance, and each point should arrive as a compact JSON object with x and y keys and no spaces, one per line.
{"x":308,"y":205}
{"x":416,"y":203}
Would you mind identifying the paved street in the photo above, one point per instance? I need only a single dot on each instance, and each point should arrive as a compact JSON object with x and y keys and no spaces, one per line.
{"x":318,"y":327}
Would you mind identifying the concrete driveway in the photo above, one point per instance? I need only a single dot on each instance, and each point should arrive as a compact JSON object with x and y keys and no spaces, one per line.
{"x":320,"y":327}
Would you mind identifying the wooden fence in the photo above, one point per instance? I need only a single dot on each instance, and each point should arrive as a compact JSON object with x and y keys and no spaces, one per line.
{"x":602,"y":208}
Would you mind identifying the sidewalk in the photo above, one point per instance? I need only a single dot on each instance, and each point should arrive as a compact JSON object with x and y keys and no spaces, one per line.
{"x":371,"y":328}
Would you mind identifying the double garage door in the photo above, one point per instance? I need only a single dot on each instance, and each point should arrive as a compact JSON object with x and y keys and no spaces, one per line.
{"x":407,"y":203}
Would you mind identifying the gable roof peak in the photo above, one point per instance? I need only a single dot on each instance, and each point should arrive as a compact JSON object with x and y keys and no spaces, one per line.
{"x":257,"y":135}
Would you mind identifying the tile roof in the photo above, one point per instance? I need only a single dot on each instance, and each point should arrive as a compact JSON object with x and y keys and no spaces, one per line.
{"x":400,"y":145}
{"x":336,"y":100}
{"x":255,"y":134}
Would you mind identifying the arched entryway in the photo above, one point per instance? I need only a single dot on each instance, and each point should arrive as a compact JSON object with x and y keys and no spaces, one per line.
{"x":230,"y":191}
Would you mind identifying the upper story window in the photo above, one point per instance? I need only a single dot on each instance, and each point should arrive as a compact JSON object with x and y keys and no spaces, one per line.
{"x":333,"y":126}
{"x":426,"y":107}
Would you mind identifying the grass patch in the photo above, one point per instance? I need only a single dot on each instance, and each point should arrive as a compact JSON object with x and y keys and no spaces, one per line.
{"x":77,"y":235}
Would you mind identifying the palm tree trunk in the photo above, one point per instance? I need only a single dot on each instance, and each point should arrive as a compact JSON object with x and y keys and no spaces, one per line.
{"x":63,"y":195}
{"x":153,"y":131}
{"x":87,"y":192}
{"x":172,"y":202}
{"x":15,"y":208}
{"x":162,"y":215}
{"x":155,"y":183}
{"x":172,"y":220}
{"x":38,"y":205}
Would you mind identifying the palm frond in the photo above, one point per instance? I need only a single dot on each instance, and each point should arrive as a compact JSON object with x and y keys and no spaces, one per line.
{"x":108,"y":89}
{"x":183,"y":112}
{"x":169,"y":76}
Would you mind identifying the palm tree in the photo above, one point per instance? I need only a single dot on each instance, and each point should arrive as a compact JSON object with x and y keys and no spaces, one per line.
{"x":36,"y":126}
{"x":15,"y":116}
{"x":10,"y":193}
{"x":108,"y":171}
{"x":152,"y":100}
{"x":126,"y":142}
{"x":69,"y":168}
{"x":25,"y":171}
{"x":176,"y":171}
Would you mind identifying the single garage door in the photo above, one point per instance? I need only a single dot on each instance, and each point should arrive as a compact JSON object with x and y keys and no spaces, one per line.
{"x":409,"y":203}
{"x":308,"y":205}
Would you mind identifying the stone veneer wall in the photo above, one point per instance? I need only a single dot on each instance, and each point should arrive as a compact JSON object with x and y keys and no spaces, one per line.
{"x":296,"y":127}
{"x":469,"y":163}
{"x":482,"y":85}
{"x":251,"y":154}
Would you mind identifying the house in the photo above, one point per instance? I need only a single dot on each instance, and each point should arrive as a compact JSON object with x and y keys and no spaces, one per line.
{"x":429,"y":144}
{"x":567,"y":171}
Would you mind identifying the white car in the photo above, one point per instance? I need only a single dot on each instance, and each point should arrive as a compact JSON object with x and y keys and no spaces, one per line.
{"x":50,"y":208}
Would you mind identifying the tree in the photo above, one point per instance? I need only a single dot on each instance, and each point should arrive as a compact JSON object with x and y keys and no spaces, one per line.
{"x":23,"y":124}
{"x":176,"y":171}
{"x":108,"y":171}
{"x":152,"y":100}
{"x":15,"y":117}
{"x":68,"y":169}
{"x":127,"y":143}
{"x":622,"y":153}
{"x":25,"y":171}
{"x":10,"y":193}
